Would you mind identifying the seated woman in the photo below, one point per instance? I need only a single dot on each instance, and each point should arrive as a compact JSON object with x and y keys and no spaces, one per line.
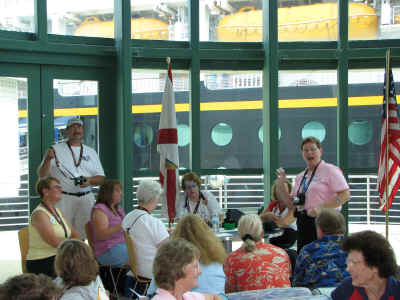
{"x":47,"y":228}
{"x":202,"y":203}
{"x":147,"y":232}
{"x":29,"y":287}
{"x":176,"y":268}
{"x":106,"y":225}
{"x":371,"y":263}
{"x":255,"y":265}
{"x":77,"y":271}
{"x":278,"y":213}
{"x":212,"y":254}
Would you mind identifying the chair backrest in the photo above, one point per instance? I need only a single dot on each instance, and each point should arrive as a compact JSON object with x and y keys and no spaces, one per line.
{"x":23,"y":238}
{"x":89,"y":236}
{"x":131,"y":253}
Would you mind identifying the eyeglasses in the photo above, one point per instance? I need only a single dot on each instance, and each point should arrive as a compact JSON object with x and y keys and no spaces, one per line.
{"x":352,"y":262}
{"x":188,"y":186}
{"x":314,"y":149}
{"x":56,"y":187}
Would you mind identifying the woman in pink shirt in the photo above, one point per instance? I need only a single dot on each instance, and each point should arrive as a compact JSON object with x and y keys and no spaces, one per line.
{"x":320,"y":185}
{"x":107,"y":233}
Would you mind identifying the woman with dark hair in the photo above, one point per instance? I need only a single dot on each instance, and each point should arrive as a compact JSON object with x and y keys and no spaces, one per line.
{"x":371,"y":263}
{"x":47,"y":228}
{"x":77,"y":271}
{"x":256,"y":265}
{"x":196,"y":201}
{"x":176,"y":269}
{"x":107,"y":233}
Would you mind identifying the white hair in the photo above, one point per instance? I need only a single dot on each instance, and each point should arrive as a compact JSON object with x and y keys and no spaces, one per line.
{"x":148,"y":190}
{"x":250,"y":225}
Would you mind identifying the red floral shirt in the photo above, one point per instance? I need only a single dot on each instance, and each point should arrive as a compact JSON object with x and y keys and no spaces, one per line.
{"x":267,"y":266}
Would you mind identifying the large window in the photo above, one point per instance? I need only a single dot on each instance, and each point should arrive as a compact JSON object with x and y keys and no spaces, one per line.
{"x":307,"y":107}
{"x":148,"y":88}
{"x":230,"y":117}
{"x":81,"y":18}
{"x":17,"y":15}
{"x":160,"y":20}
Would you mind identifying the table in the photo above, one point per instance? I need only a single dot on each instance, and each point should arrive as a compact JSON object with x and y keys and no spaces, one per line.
{"x":277,"y":294}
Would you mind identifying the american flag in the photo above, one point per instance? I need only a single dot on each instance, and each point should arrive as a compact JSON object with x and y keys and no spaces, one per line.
{"x":390,"y":138}
{"x":167,"y":146}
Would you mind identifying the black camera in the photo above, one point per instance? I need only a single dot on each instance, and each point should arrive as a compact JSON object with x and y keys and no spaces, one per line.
{"x":79,"y":180}
{"x":300,"y":199}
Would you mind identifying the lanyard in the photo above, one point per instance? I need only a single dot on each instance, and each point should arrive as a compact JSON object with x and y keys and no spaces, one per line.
{"x":73,"y":156}
{"x":57,"y":217}
{"x":197,"y":204}
{"x":142,"y":208}
{"x":304,"y":183}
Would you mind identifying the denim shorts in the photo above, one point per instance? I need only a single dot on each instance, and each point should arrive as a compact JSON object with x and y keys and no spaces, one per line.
{"x":115,"y":256}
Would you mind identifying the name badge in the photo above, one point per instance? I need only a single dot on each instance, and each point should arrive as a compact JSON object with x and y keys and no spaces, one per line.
{"x":53,"y":220}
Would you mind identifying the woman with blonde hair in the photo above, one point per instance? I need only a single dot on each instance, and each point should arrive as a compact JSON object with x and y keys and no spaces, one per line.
{"x":192,"y":228}
{"x":77,"y":271}
{"x":256,"y":265}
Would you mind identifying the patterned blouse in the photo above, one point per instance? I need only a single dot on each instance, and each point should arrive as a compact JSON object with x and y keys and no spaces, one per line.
{"x":267,"y":266}
{"x":321,"y":263}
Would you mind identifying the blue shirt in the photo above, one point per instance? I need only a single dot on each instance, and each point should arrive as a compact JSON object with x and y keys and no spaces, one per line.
{"x":321,"y":263}
{"x":346,"y":291}
{"x":210,"y":281}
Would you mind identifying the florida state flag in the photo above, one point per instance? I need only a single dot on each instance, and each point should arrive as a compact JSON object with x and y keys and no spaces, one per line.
{"x":167,"y":146}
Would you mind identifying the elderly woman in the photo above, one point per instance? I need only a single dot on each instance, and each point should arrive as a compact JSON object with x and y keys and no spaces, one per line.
{"x":256,"y":265}
{"x":176,"y":269}
{"x":320,"y":185}
{"x":147,"y":232}
{"x":202,"y":203}
{"x":322,"y":263}
{"x":29,"y":287}
{"x":47,"y":228}
{"x":371,"y":263}
{"x":106,"y":225}
{"x":212,"y":254}
{"x":78,"y":271}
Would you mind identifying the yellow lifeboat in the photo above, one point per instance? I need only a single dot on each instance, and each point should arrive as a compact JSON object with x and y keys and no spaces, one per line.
{"x":141,"y":28}
{"x":315,"y":22}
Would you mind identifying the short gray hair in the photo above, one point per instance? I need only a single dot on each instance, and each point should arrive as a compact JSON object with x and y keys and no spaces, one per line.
{"x":148,"y":190}
{"x":250,"y":230}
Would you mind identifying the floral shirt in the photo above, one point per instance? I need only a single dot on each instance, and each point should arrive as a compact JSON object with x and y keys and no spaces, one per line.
{"x":321,"y":263}
{"x":266,"y":267}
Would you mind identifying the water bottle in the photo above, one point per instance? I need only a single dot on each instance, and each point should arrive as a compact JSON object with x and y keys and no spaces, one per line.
{"x":215,"y":222}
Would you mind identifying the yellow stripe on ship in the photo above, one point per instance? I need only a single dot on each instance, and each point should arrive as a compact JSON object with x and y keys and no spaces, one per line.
{"x":225,"y":105}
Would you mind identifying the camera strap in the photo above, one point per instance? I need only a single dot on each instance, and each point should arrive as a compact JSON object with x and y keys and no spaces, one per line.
{"x":304,"y":183}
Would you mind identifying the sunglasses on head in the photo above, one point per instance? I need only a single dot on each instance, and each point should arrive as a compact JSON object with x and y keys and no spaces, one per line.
{"x":190,"y":185}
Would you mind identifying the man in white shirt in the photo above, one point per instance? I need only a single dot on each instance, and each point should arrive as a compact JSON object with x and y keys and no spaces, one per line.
{"x":78,"y":168}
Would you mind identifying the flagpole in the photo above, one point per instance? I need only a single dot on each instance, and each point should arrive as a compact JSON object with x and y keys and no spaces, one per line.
{"x":168,"y":60}
{"x":387,"y":87}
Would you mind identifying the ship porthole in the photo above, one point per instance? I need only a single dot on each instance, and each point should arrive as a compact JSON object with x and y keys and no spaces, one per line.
{"x":360,"y":132}
{"x":314,"y":128}
{"x":221,"y":134}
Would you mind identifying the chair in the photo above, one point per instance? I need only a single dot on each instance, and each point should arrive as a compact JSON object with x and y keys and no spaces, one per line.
{"x":23,"y":238}
{"x":107,"y":272}
{"x":133,"y":265}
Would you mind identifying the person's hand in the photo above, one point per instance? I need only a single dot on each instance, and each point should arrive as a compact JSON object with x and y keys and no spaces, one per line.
{"x":50,"y":154}
{"x":205,"y":201}
{"x":170,"y":230}
{"x":281,"y":175}
{"x":314,"y":212}
{"x":269,"y":216}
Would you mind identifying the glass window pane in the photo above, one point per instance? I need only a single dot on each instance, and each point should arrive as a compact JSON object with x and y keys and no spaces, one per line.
{"x":311,"y":20}
{"x":148,"y":88}
{"x":233,"y":99}
{"x":76,"y":98}
{"x":307,"y":106}
{"x":17,"y":15}
{"x":231,"y":21}
{"x":374,"y":19}
{"x":365,"y":115}
{"x":81,"y":18}
{"x":14,"y":157}
{"x":160,"y":20}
